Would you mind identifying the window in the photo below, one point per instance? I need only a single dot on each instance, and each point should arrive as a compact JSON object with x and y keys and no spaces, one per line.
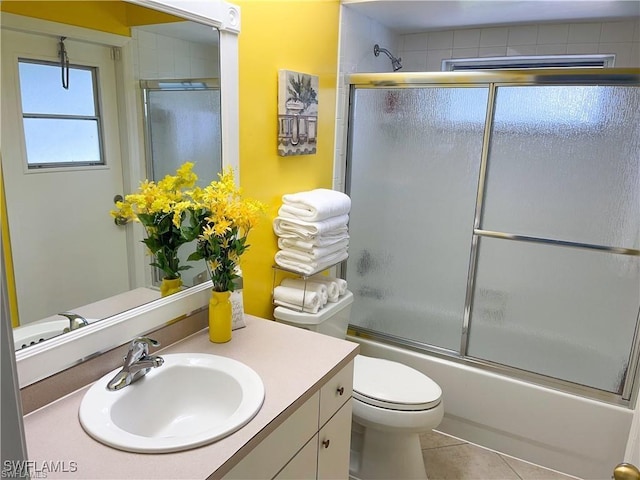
{"x":544,"y":61}
{"x":61,"y":126}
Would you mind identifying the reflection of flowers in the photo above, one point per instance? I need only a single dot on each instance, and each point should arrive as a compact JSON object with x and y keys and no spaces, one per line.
{"x":162,"y":208}
{"x":222,"y":218}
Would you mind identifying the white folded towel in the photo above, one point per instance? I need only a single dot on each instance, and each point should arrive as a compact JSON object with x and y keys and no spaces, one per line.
{"x":341,"y":283}
{"x":285,"y":227}
{"x":315,"y":205}
{"x":285,"y":242}
{"x":296,"y":299}
{"x":296,"y":263}
{"x":314,"y":254}
{"x":310,"y":248}
{"x":319,"y":288}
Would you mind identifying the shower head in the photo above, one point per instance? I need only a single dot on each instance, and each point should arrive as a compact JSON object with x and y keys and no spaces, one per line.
{"x":395,"y":62}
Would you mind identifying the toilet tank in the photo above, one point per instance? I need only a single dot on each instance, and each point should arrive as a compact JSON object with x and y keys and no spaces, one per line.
{"x":332,"y":319}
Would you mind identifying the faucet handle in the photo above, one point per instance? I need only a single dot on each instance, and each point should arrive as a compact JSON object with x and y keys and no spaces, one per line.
{"x":139,"y":348}
{"x":149,"y":342}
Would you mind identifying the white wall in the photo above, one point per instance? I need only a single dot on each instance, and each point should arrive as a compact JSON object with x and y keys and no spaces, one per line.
{"x":159,"y":56}
{"x":425,"y":51}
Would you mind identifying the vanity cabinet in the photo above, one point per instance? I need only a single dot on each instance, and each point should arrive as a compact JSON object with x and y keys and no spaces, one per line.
{"x":313,"y":443}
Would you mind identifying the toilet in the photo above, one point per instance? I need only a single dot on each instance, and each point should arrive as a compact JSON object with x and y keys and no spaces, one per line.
{"x":392,"y":402}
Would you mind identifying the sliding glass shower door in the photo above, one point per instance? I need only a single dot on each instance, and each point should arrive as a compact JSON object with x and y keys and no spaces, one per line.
{"x":498,"y":221}
{"x":413,"y":169}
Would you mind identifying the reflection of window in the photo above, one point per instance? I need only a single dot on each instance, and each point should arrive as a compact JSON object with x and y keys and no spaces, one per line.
{"x":61,"y":127}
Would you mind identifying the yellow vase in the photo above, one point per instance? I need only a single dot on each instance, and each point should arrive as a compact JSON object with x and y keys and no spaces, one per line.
{"x":170,"y":286}
{"x":220,"y":317}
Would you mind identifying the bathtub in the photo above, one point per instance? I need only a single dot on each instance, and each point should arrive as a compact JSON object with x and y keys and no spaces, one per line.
{"x":569,"y":433}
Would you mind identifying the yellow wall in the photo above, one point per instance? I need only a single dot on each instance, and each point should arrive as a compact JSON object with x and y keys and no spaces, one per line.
{"x":300,"y":36}
{"x":112,"y":17}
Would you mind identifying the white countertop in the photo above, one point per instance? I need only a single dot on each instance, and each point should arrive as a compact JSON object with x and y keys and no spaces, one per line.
{"x":293,"y":364}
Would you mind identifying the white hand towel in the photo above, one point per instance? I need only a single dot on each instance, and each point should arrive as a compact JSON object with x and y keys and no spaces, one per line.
{"x":310,"y":230}
{"x":341,"y":283}
{"x":289,"y":261}
{"x":319,"y":288}
{"x":299,"y":299}
{"x":314,"y":254}
{"x":284,"y":242}
{"x":316,"y":205}
{"x":309,"y":247}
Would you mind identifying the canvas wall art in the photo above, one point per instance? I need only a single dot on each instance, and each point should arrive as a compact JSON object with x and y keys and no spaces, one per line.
{"x":297,"y":113}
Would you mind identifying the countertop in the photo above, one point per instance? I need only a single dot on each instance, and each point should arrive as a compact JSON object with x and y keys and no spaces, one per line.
{"x":293,"y":364}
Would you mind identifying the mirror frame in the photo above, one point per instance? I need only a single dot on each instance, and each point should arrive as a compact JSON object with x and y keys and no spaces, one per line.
{"x":45,"y":359}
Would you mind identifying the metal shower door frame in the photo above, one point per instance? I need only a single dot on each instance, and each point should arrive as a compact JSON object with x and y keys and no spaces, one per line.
{"x":494,"y":79}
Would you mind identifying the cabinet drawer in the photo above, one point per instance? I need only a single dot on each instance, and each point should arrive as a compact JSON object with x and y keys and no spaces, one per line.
{"x":264,"y":461}
{"x":304,"y":465}
{"x":335,"y":393}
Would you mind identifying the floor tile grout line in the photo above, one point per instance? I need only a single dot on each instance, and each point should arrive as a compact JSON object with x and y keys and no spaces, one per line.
{"x":444,"y":446}
{"x":509,"y":465}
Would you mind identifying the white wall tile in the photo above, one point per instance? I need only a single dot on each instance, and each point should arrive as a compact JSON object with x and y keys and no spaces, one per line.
{"x":435,"y":57}
{"x":521,"y":50}
{"x":553,"y":34}
{"x":636,"y":33}
{"x":551,"y":49}
{"x":440,"y":40}
{"x":584,"y":33}
{"x":523,"y":35}
{"x":492,"y":37}
{"x":415,"y":42}
{"x":492,"y":51}
{"x":582,"y":48}
{"x":614,"y":32}
{"x":146,"y":40}
{"x":466,"y":38}
{"x":465,"y":53}
{"x":414,"y":61}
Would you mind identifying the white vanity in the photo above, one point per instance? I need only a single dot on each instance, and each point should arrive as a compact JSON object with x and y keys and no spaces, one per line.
{"x":302,"y":430}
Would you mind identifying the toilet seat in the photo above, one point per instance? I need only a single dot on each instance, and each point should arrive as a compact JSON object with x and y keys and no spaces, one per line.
{"x":392,"y":385}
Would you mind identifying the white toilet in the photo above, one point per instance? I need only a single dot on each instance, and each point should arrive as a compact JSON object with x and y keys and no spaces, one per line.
{"x":392,"y":403}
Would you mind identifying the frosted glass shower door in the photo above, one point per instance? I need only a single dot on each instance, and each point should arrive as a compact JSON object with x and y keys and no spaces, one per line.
{"x":563,"y":167}
{"x":412,"y":176}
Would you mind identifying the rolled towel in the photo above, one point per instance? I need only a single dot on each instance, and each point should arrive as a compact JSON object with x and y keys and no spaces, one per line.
{"x":296,"y":299}
{"x":310,"y":248}
{"x":316,"y":205}
{"x":310,"y":230}
{"x":285,"y":242}
{"x":301,"y":265}
{"x":341,"y":283}
{"x":319,"y":288}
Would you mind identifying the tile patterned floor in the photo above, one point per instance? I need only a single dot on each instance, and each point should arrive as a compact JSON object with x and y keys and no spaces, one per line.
{"x":449,"y":458}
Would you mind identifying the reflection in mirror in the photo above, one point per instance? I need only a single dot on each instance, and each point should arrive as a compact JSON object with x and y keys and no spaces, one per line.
{"x":71,"y":264}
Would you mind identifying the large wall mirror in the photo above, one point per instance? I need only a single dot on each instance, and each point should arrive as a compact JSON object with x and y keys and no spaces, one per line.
{"x":96,"y":97}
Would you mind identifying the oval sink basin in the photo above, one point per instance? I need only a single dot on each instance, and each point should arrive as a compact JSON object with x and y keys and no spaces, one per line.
{"x":189,"y":401}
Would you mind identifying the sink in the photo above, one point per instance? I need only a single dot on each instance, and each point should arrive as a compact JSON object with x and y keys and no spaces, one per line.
{"x":189,"y":401}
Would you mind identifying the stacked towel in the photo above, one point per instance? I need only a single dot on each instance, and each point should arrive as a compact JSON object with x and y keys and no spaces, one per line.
{"x":336,"y":287}
{"x":312,"y":230}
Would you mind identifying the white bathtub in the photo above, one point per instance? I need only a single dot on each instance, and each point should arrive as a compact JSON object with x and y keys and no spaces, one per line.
{"x":565,"y":432}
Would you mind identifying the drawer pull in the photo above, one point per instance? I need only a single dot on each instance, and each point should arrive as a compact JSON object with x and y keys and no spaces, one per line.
{"x":325,"y":443}
{"x":340,"y":391}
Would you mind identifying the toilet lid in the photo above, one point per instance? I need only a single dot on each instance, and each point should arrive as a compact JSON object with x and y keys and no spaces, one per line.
{"x":393,"y":385}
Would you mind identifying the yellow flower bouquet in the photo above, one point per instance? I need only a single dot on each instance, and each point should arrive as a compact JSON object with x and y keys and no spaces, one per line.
{"x":162,"y":208}
{"x":223,"y":219}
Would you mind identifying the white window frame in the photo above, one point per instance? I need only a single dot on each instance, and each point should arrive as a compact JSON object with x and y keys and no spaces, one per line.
{"x":530,"y":61}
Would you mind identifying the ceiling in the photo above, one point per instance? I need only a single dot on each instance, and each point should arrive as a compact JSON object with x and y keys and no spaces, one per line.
{"x":409,"y":16}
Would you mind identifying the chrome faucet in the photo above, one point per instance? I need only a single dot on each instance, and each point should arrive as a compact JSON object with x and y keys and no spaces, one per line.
{"x":137,"y":363}
{"x":75,"y":321}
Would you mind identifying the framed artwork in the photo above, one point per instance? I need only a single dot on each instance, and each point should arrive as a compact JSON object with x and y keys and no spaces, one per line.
{"x":297,"y":113}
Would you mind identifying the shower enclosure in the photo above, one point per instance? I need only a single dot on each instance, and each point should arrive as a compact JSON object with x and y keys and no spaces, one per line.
{"x":496,"y":220}
{"x":182,"y":124}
